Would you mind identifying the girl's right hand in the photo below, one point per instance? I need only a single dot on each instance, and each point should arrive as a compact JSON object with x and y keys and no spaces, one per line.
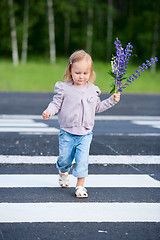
{"x":45,"y":115}
{"x":116,"y":97}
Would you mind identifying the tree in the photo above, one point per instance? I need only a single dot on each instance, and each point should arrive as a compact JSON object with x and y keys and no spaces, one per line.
{"x":89,"y":29}
{"x":15,"y":57}
{"x":25,"y":32}
{"x":67,"y":30}
{"x":155,"y":40}
{"x":92,"y":25}
{"x":109,"y":29}
{"x":51,"y":32}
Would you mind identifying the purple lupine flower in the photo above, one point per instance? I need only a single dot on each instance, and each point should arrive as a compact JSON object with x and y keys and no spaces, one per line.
{"x":144,"y":66}
{"x":141,"y":69}
{"x":134,"y":75}
{"x":119,"y":65}
{"x":138,"y":72}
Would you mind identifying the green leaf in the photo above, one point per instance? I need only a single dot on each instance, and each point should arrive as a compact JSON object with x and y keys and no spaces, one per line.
{"x":113,"y":89}
{"x":111,"y":74}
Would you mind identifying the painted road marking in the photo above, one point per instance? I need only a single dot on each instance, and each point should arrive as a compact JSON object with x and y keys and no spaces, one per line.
{"x":134,"y":134}
{"x":93,"y":159}
{"x":30,"y":130}
{"x":21,"y":124}
{"x":26,"y":124}
{"x":79,"y":212}
{"x":154,"y":124}
{"x":15,"y":120}
{"x":97,"y":117}
{"x":51,"y":180}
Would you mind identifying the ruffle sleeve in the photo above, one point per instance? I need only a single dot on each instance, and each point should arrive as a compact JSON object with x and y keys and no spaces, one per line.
{"x":55,"y":105}
{"x":102,"y":106}
{"x":98,"y":91}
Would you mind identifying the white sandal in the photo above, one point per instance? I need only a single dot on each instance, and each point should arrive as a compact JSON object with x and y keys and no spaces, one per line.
{"x":63,"y":179}
{"x":81,"y":192}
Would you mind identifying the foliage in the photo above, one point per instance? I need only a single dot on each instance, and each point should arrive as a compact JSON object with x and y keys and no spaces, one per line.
{"x":133,"y":21}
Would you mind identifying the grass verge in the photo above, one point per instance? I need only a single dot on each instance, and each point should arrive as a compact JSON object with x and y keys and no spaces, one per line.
{"x":39,"y":76}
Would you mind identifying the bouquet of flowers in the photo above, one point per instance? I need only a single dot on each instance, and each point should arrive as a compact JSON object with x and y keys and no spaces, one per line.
{"x":119,"y":65}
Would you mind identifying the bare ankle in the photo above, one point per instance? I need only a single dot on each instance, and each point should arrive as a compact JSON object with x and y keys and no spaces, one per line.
{"x":80,"y":182}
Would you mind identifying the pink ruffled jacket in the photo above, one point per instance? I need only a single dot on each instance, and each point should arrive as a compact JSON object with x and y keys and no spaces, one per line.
{"x":75,"y":107}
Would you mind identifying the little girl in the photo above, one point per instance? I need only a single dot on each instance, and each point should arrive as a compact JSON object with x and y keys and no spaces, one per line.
{"x":76,"y":101}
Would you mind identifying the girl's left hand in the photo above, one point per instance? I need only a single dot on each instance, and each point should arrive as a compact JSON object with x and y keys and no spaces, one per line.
{"x":116,"y":97}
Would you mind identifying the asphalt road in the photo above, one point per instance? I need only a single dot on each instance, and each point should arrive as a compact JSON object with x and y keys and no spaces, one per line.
{"x":29,"y":103}
{"x":131,"y":128}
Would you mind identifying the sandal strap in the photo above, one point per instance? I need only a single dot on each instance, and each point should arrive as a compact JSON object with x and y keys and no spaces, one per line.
{"x":82,"y":191}
{"x":63,"y":173}
{"x":81,"y":188}
{"x":63,"y":179}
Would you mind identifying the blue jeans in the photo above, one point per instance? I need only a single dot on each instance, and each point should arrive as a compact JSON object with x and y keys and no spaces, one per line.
{"x":74,"y":146}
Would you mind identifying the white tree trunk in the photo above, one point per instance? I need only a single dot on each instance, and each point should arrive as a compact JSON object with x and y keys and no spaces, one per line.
{"x":89,"y":30}
{"x":15,"y":57}
{"x":109,"y":29}
{"x":100,"y":23}
{"x":155,"y":42}
{"x":51,"y":31}
{"x":67,"y":31}
{"x":25,"y":32}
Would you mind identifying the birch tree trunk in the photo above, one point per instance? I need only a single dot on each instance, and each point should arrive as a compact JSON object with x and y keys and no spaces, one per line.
{"x":100,"y":23}
{"x":25,"y":32}
{"x":155,"y":42}
{"x":89,"y":30}
{"x":51,"y":31}
{"x":109,"y":29}
{"x":15,"y":57}
{"x":67,"y":31}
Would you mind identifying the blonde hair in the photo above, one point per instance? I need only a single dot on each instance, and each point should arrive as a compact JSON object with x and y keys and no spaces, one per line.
{"x":76,"y":57}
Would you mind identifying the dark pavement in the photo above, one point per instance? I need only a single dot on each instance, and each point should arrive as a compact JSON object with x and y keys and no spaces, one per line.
{"x":111,"y":137}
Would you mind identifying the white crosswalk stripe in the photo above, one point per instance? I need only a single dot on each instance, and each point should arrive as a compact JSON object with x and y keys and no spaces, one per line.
{"x":97,"y":117}
{"x":93,"y":159}
{"x":51,"y":180}
{"x":155,"y":124}
{"x":29,"y":124}
{"x":88,"y":211}
{"x":74,"y":211}
{"x":79,"y":212}
{"x":25,"y":126}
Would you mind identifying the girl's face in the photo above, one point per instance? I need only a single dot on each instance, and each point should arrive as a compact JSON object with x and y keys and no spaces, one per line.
{"x":80,"y":72}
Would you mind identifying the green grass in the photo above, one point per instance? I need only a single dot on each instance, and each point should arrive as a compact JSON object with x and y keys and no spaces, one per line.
{"x":41,"y":76}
